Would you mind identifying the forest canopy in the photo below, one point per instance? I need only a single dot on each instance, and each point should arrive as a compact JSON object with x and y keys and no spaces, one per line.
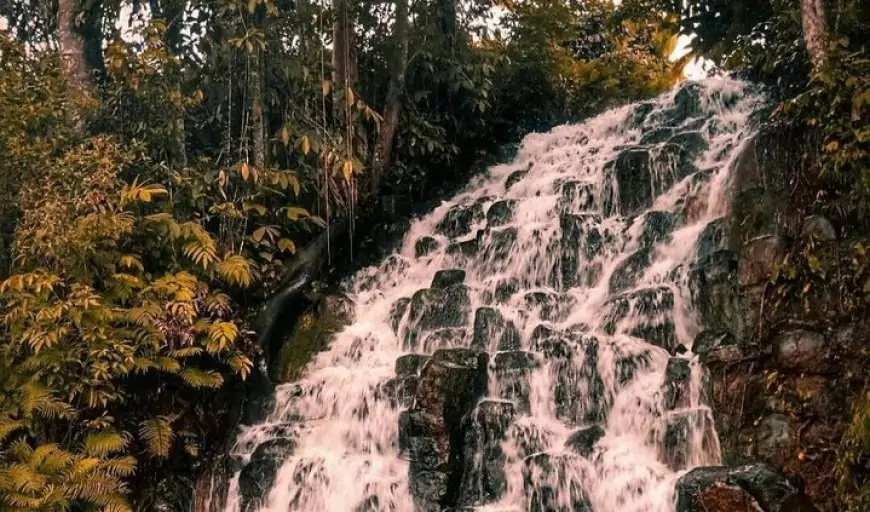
{"x":155,"y":186}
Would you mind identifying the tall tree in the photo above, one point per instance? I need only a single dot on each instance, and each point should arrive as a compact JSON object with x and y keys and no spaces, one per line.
{"x":72,"y":45}
{"x":393,"y":108}
{"x":344,"y":52}
{"x":815,"y":29}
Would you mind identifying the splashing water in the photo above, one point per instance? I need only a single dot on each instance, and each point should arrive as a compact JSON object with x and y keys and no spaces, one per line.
{"x":583,"y":246}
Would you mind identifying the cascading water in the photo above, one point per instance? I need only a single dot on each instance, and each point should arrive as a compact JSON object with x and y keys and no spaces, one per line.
{"x":556,"y":294}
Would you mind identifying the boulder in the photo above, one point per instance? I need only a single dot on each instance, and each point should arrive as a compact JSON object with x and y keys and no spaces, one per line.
{"x":802,"y":351}
{"x":577,"y":196}
{"x":397,"y":312}
{"x":645,"y":314}
{"x":818,"y":228}
{"x":512,"y":372}
{"x":483,"y":478}
{"x":629,"y":271}
{"x":714,"y":292}
{"x":758,"y":259}
{"x":497,"y":245}
{"x":773,"y":438}
{"x":459,"y":220}
{"x":551,"y":484}
{"x":399,"y":391}
{"x":258,"y":475}
{"x":514,"y":178}
{"x":451,"y":383}
{"x":677,"y":446}
{"x":446,"y":278}
{"x":434,"y":309}
{"x":657,"y":227}
{"x":500,"y":213}
{"x":748,"y":488}
{"x":492,"y":332}
{"x":410,"y":364}
{"x":583,"y":441}
{"x":425,"y":246}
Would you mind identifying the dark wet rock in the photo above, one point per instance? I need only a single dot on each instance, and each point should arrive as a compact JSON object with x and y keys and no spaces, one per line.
{"x":749,"y":488}
{"x":500,"y":212}
{"x":583,"y":441}
{"x":446,"y":278}
{"x":578,"y":389}
{"x":818,"y":228}
{"x":677,"y":382}
{"x":449,"y":337}
{"x":756,"y":213}
{"x":514,"y":178}
{"x":631,"y":171}
{"x":484,"y":479}
{"x":459,"y":220}
{"x":505,"y":289}
{"x":687,"y":102}
{"x":512,"y":371}
{"x":714,"y":291}
{"x":657,"y":227}
{"x":577,"y":197}
{"x":550,"y":486}
{"x":425,"y":246}
{"x":339,"y":307}
{"x":716,"y":347}
{"x":410,"y":364}
{"x":802,"y":351}
{"x":397,"y":312}
{"x":676,"y":445}
{"x":714,"y":238}
{"x":451,"y":383}
{"x":629,"y":271}
{"x":657,"y":136}
{"x":431,"y":310}
{"x":493,"y":332}
{"x":400,"y":391}
{"x":466,"y":247}
{"x":549,"y":306}
{"x":498,"y":244}
{"x":582,"y":238}
{"x":645,"y":314}
{"x":758,"y":259}
{"x":258,"y":476}
{"x":628,"y":366}
{"x":551,"y":343}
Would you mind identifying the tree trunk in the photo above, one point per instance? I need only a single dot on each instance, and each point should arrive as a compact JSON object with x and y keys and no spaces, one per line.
{"x":72,"y":45}
{"x":257,"y":118}
{"x":344,"y":53}
{"x":398,"y":62}
{"x":815,"y":29}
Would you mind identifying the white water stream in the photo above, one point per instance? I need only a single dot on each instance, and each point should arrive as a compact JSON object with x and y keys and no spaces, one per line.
{"x":346,"y":435}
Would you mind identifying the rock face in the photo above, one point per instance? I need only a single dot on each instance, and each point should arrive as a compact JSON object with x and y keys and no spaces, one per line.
{"x":258,"y":475}
{"x":751,"y":488}
{"x":433,"y":432}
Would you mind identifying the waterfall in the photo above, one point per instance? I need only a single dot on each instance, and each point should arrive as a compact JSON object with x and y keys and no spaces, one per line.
{"x":566,"y":278}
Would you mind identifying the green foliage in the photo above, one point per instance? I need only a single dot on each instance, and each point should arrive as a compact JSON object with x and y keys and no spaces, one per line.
{"x":311,"y":335}
{"x":854,"y":486}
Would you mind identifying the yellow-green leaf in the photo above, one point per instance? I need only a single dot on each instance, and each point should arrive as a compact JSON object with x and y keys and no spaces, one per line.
{"x":306,"y":145}
{"x":285,"y":244}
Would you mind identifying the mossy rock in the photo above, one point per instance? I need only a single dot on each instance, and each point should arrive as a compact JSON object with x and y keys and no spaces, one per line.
{"x":313,"y":334}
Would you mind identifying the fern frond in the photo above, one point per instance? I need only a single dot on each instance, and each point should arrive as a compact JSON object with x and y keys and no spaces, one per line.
{"x":8,"y":426}
{"x":201,"y":378}
{"x":158,"y":435}
{"x":105,"y":442}
{"x":236,"y":270}
{"x":120,"y":466}
{"x":166,"y":364}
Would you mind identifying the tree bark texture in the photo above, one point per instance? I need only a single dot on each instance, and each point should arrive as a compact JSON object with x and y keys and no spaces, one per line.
{"x":72,"y":45}
{"x":258,"y":121}
{"x":815,"y":30}
{"x":344,"y":53}
{"x":393,"y":109}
